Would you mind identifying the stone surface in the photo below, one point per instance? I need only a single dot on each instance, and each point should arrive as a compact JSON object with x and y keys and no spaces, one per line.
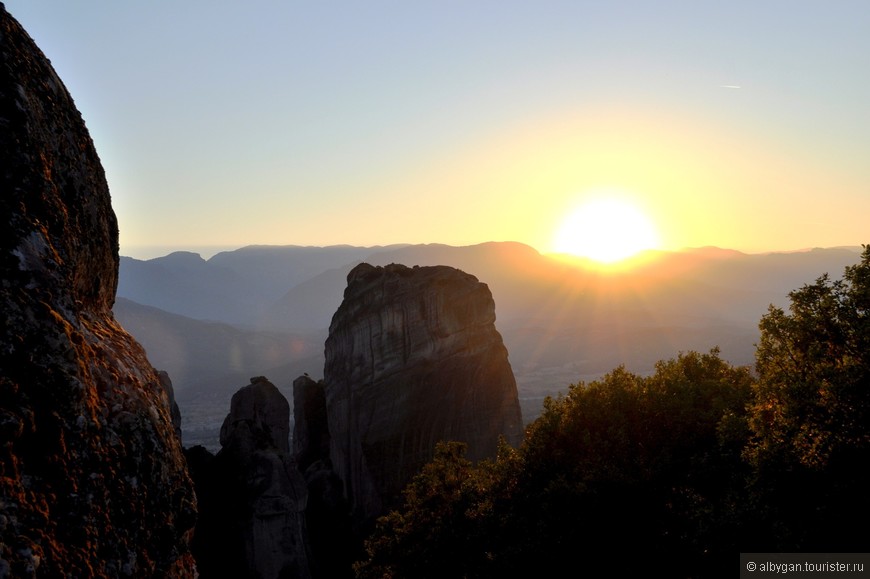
{"x":259,"y":419}
{"x":310,"y":428}
{"x":327,"y":511}
{"x":93,"y":481}
{"x":412,"y":358}
{"x":252,"y":497}
{"x":174,"y":410}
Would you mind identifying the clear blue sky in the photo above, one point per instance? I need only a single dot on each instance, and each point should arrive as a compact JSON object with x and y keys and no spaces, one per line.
{"x":230,"y":123}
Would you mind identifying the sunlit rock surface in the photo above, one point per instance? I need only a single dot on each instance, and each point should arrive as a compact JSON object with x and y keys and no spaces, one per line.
{"x":412,"y":358}
{"x":93,"y":482}
{"x":252,"y":497}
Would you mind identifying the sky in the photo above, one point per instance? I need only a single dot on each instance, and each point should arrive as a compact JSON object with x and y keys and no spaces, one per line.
{"x":739,"y":124}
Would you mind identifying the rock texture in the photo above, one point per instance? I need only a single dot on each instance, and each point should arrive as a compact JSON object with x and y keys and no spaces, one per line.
{"x":93,"y":482}
{"x":252,"y":497}
{"x":310,"y":428}
{"x":412,"y":358}
{"x":327,"y":511}
{"x":174,"y":410}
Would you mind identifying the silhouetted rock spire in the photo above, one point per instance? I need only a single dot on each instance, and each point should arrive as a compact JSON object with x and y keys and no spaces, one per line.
{"x":252,"y":496}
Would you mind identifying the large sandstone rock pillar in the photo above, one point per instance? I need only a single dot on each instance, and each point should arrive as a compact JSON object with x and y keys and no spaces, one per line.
{"x":412,"y":358}
{"x":93,"y":482}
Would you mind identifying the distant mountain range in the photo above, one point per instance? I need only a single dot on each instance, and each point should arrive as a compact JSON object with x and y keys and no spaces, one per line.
{"x":265,"y":310}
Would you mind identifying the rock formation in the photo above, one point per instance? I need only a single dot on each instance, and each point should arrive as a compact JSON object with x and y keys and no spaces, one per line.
{"x":412,"y":358}
{"x":311,"y":430}
{"x":252,"y":497}
{"x":93,"y":482}
{"x":174,"y":410}
{"x":327,"y":514}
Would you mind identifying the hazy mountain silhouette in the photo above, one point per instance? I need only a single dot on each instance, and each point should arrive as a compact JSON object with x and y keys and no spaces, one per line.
{"x":700,"y":284}
{"x":208,"y":360}
{"x":184,"y":283}
{"x":232,"y":286}
{"x":287,"y":265}
{"x":561,"y":321}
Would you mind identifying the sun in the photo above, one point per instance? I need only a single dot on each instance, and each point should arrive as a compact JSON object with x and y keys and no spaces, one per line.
{"x":606,"y":230}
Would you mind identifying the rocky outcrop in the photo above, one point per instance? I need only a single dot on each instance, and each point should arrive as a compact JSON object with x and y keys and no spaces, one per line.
{"x":412,"y":358}
{"x":252,"y":497}
{"x":174,"y":410}
{"x":310,"y":430}
{"x":327,"y":513}
{"x":93,"y":482}
{"x":259,"y":419}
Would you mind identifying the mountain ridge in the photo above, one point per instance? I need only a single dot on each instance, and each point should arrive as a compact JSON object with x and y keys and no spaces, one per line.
{"x":560,"y":323}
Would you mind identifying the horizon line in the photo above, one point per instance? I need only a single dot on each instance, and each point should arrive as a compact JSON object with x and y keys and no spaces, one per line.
{"x":207,"y":251}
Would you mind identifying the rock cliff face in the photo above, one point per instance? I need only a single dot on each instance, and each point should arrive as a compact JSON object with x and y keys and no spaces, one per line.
{"x":311,"y":430}
{"x":93,"y":482}
{"x":412,"y":358}
{"x":252,"y":497}
{"x":326,"y":514}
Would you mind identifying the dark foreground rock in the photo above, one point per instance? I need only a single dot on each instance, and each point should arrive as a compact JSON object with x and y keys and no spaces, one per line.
{"x":412,"y":358}
{"x":252,"y":497}
{"x":93,"y":481}
{"x":327,"y":513}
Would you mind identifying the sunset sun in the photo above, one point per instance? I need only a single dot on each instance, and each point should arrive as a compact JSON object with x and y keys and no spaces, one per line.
{"x":606,"y":230}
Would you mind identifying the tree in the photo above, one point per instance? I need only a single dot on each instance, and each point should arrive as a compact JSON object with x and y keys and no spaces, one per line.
{"x":628,"y":464}
{"x":811,"y":435}
{"x":444,"y":527}
{"x":644,"y":464}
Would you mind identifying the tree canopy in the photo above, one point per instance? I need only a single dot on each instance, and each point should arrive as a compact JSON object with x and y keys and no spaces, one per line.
{"x":630,"y":463}
{"x":811,"y":435}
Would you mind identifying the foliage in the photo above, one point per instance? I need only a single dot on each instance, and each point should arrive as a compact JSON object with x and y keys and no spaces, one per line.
{"x":814,"y":369}
{"x":442,"y":531}
{"x":630,"y":462}
{"x":810,"y":415}
{"x":647,"y":464}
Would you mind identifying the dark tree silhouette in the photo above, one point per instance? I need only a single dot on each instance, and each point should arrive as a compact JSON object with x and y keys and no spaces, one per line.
{"x":811,"y":443}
